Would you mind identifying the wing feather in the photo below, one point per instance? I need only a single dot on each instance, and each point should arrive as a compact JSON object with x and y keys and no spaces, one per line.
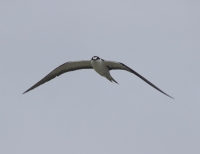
{"x":66,"y":67}
{"x":117,"y":65}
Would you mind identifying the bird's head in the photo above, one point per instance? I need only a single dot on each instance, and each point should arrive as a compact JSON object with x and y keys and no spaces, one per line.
{"x":94,"y":58}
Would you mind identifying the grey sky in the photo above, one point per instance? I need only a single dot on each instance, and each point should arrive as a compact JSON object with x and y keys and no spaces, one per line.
{"x":81,"y":112}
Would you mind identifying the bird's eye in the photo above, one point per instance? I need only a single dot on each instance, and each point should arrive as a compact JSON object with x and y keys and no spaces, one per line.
{"x":95,"y":58}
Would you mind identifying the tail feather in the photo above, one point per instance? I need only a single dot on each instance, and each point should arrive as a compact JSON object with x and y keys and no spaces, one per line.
{"x":111,"y":79}
{"x":115,"y":81}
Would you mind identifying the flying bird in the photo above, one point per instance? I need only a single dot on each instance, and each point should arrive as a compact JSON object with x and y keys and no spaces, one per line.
{"x":102,"y":67}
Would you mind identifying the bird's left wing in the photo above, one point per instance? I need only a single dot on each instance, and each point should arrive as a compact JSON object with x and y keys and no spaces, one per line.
{"x":120,"y":66}
{"x":66,"y":67}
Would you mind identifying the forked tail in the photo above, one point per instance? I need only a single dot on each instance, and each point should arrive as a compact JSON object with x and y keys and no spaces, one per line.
{"x":110,"y":78}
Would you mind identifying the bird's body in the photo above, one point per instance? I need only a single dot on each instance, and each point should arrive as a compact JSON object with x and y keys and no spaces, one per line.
{"x":101,"y":66}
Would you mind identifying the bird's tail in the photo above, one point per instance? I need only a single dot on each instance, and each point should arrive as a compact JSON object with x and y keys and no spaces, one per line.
{"x":110,"y":78}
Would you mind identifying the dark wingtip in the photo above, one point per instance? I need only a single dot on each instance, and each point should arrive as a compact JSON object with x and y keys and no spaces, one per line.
{"x":137,"y":74}
{"x":167,"y":95}
{"x":170,"y":97}
{"x":26,"y":91}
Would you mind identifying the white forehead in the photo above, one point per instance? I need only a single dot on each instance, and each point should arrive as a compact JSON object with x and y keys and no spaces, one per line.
{"x":95,"y":57}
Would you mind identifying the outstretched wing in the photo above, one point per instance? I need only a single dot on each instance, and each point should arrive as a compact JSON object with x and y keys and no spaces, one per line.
{"x":66,"y":67}
{"x":116,"y":65}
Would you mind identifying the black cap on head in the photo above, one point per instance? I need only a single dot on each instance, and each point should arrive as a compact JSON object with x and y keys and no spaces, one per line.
{"x":95,"y":58}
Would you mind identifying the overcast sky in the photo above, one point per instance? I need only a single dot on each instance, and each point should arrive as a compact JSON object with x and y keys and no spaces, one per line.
{"x":83,"y":113}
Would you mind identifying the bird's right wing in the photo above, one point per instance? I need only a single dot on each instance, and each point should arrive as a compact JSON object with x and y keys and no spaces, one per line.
{"x":66,"y":67}
{"x":120,"y":66}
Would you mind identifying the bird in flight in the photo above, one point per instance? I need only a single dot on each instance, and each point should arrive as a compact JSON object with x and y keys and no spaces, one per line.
{"x":102,"y":67}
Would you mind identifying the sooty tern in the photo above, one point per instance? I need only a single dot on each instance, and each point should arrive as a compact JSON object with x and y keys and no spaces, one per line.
{"x":101,"y":66}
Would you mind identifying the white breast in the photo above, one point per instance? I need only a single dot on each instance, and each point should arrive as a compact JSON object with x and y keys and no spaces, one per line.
{"x":100,"y":67}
